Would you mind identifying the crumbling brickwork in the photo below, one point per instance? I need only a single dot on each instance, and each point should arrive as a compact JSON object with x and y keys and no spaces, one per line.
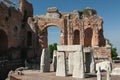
{"x":77,"y":28}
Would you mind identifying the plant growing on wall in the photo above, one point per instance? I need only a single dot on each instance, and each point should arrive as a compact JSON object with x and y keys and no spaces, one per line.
{"x":86,"y":12}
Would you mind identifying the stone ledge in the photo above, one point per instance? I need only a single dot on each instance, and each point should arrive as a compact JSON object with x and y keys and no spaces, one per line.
{"x":69,"y":47}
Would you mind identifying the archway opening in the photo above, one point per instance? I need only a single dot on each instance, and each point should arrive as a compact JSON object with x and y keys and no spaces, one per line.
{"x":3,"y":43}
{"x":53,"y":38}
{"x":76,"y":40}
{"x":53,"y":35}
{"x":88,"y":37}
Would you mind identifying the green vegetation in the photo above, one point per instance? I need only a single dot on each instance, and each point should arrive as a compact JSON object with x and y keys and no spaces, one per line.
{"x":52,"y":47}
{"x":114,"y":53}
{"x":86,"y":12}
{"x":113,"y":50}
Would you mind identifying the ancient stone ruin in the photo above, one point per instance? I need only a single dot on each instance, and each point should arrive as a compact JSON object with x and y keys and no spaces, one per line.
{"x":24,"y":36}
{"x":77,"y":28}
{"x":79,"y":62}
{"x":15,"y":36}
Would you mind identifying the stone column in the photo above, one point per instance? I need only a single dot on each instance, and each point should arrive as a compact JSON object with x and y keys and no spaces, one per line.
{"x":61,"y":64}
{"x":92,"y":65}
{"x":99,"y":76}
{"x":108,"y":74}
{"x":78,"y":70}
{"x":70,"y":63}
{"x":70,"y":33}
{"x":54,"y":60}
{"x":95,"y":39}
{"x":45,"y":61}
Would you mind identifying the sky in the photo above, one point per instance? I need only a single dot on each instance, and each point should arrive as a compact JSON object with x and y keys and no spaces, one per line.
{"x":107,"y":9}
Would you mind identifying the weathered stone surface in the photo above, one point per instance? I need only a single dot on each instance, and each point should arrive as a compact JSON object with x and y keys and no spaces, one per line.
{"x":115,"y":71}
{"x":108,"y":74}
{"x":53,"y":13}
{"x":14,"y":30}
{"x":25,"y":8}
{"x":55,"y":59}
{"x":61,"y":64}
{"x":78,"y":70}
{"x":91,"y":33}
{"x":104,"y":65}
{"x":102,"y":53}
{"x":70,"y":62}
{"x":69,"y":47}
{"x":99,"y":76}
{"x":92,"y":65}
{"x":73,"y":32}
{"x":86,"y":50}
{"x":45,"y":61}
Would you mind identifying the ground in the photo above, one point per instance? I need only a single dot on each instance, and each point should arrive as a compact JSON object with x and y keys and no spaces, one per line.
{"x":37,"y":75}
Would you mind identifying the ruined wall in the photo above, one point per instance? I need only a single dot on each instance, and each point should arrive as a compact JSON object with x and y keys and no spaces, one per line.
{"x":89,"y":27}
{"x":25,"y":8}
{"x":83,"y":27}
{"x":79,"y":27}
{"x":102,"y":53}
{"x":16,"y":37}
{"x":10,"y":23}
{"x":15,"y":34}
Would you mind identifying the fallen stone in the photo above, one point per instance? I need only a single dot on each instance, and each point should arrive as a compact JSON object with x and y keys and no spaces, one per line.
{"x":104,"y":66}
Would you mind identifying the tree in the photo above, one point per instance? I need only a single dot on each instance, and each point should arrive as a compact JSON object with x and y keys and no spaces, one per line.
{"x":52,"y":47}
{"x":113,"y":50}
{"x":114,"y":53}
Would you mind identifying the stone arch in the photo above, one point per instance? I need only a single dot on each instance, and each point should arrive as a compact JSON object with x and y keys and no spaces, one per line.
{"x":51,"y":24}
{"x":88,"y":37}
{"x":43,"y":36}
{"x":3,"y":42}
{"x":76,"y":40}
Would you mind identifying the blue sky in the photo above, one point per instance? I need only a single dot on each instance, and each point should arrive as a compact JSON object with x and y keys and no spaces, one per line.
{"x":107,"y":9}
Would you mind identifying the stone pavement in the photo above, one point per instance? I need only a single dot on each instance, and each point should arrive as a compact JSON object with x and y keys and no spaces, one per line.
{"x":36,"y":75}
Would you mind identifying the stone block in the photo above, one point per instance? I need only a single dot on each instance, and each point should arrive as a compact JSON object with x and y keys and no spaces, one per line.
{"x":99,"y":76}
{"x":69,"y":47}
{"x":70,"y":63}
{"x":78,"y":70}
{"x":45,"y":61}
{"x":87,"y":50}
{"x":61,"y":64}
{"x":108,"y":74}
{"x":104,"y":65}
{"x":54,"y":60}
{"x":92,"y":65}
